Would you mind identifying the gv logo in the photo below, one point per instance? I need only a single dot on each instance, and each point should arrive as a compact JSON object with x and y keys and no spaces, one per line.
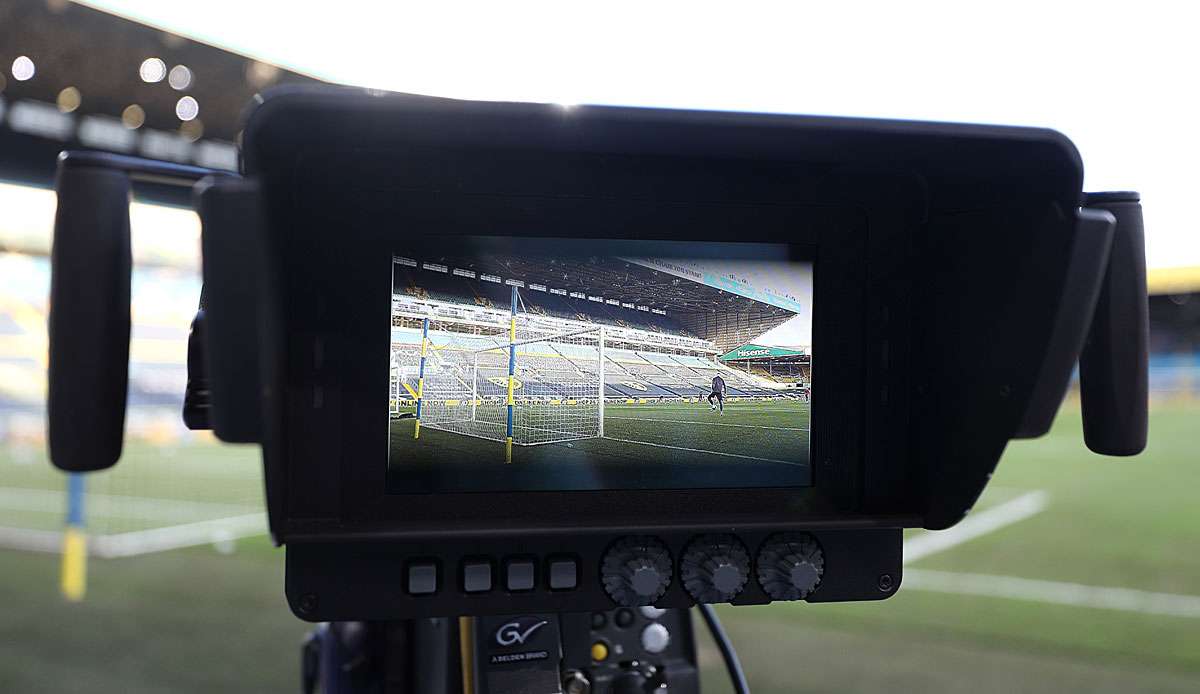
{"x":518,"y":631}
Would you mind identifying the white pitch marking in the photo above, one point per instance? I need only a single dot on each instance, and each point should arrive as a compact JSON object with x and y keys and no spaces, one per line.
{"x":1027,"y":589}
{"x":701,"y":450}
{"x":1054,"y":592}
{"x":975,"y":525}
{"x":30,"y":540}
{"x":714,"y":424}
{"x":141,"y":541}
{"x":178,"y":536}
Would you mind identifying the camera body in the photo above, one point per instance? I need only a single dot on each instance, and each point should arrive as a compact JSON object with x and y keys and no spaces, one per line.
{"x":955,"y":274}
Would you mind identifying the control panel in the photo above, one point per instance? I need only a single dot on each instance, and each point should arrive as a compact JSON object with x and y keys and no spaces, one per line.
{"x":629,"y":650}
{"x":577,"y":573}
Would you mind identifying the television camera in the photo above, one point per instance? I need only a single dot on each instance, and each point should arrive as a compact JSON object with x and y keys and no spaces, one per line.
{"x":949,"y":277}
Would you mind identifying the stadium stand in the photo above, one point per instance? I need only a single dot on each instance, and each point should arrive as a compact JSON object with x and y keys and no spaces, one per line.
{"x":164,"y":301}
{"x":628,"y":374}
{"x":1175,"y":346}
{"x":419,"y":281}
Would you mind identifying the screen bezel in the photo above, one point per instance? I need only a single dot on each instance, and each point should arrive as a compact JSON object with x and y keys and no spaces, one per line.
{"x":351,"y":426}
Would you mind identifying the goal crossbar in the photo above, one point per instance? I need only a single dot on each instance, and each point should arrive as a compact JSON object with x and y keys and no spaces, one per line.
{"x":505,"y":391}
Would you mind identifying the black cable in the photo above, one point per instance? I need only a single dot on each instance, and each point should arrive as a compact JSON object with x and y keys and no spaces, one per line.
{"x":736,"y":675}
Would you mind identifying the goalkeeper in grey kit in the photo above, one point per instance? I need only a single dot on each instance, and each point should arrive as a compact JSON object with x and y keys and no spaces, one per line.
{"x":718,"y":394}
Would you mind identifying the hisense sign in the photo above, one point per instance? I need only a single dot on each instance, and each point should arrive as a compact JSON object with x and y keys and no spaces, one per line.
{"x":761,"y":352}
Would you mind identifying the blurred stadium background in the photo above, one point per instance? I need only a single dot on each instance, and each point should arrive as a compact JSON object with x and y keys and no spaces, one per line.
{"x":1074,"y":574}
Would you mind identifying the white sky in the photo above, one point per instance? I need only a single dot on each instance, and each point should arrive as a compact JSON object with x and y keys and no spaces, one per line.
{"x":796,"y":332}
{"x":1117,"y":78}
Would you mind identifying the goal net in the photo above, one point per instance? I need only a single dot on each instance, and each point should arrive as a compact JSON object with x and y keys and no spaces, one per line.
{"x":555,"y":392}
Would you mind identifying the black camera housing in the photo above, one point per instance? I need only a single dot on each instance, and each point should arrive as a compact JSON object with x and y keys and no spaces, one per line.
{"x":956,"y":275}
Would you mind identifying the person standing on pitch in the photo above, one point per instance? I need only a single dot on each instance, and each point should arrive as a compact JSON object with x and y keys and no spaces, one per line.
{"x":718,"y":392}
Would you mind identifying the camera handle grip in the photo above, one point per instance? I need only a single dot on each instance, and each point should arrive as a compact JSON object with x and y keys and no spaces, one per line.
{"x":91,"y":263}
{"x":1113,"y":366}
{"x":91,"y":267}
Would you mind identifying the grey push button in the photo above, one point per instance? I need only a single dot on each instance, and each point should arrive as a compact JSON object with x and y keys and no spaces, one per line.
{"x":477,"y":576}
{"x":655,"y":638}
{"x":422,"y":578}
{"x":519,"y":574}
{"x":564,"y":574}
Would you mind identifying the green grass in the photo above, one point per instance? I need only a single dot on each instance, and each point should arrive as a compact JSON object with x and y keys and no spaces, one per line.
{"x":197,"y":621}
{"x":1112,"y":521}
{"x":1131,"y":523}
{"x":645,"y":446}
{"x":151,"y":486}
{"x":183,"y":621}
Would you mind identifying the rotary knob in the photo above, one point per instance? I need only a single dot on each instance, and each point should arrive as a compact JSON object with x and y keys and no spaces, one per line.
{"x":715,"y":568}
{"x":790,"y":566}
{"x":636,"y":570}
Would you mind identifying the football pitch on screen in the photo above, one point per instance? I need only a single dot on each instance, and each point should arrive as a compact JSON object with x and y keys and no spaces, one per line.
{"x":651,"y":444}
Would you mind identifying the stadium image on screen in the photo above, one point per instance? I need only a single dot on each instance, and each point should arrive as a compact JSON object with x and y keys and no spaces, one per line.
{"x":525,"y":365}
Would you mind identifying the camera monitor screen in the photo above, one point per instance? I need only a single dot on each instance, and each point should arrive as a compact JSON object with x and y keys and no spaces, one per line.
{"x":558,"y":365}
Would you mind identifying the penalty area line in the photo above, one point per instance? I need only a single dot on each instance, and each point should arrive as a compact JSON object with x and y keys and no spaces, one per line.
{"x":1053,"y":592}
{"x":709,"y":424}
{"x":975,"y":525}
{"x":1027,"y":589}
{"x":701,"y":450}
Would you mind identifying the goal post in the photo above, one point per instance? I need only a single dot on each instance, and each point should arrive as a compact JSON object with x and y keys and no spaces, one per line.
{"x":600,"y":383}
{"x":421,"y":376}
{"x":512,"y":365}
{"x":524,"y":384}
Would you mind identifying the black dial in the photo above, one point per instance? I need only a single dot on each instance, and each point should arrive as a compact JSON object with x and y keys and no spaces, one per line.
{"x":790,"y":566}
{"x":715,"y":568}
{"x":636,"y":570}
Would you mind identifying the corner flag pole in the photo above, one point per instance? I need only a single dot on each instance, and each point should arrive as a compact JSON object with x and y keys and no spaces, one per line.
{"x":73,"y":577}
{"x":421,"y":375}
{"x":512,"y":366}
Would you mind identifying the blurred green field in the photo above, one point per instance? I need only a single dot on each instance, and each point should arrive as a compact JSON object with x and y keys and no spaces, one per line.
{"x":196,"y":620}
{"x":154,"y":485}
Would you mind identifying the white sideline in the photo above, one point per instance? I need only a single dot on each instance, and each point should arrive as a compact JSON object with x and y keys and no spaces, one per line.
{"x":30,"y":540}
{"x":1053,"y":592}
{"x":701,"y":450}
{"x":178,"y":536}
{"x":707,"y":423}
{"x":975,"y":525}
{"x":141,"y":541}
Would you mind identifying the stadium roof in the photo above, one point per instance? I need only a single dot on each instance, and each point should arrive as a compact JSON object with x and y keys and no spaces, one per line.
{"x":95,"y":80}
{"x":616,"y":279}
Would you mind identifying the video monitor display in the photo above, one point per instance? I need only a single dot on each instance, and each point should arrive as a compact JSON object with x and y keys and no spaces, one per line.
{"x":556,"y":365}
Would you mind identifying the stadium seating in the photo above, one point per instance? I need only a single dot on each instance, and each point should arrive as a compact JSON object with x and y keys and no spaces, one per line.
{"x":557,"y":367}
{"x":556,"y":370}
{"x":164,"y":301}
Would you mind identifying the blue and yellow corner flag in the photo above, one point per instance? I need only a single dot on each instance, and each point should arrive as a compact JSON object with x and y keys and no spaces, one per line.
{"x":73,"y":578}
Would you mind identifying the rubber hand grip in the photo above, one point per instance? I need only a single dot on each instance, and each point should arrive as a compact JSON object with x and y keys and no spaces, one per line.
{"x":1113,"y":368}
{"x":89,"y":319}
